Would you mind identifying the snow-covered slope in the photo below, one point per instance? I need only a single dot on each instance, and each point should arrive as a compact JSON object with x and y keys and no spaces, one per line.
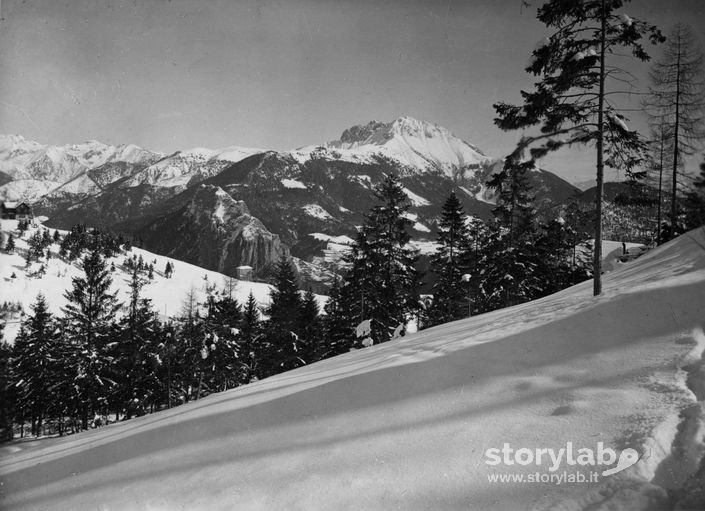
{"x":167,"y":295}
{"x":407,"y":425}
{"x":192,"y":165}
{"x":415,"y":144}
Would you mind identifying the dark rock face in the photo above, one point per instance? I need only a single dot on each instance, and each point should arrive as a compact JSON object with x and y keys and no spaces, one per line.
{"x":214,"y":231}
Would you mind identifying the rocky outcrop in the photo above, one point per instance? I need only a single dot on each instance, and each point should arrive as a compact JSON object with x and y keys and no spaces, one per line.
{"x":215,"y":231}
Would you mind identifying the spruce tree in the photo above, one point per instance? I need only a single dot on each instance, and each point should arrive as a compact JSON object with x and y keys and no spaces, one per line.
{"x":250,"y":340}
{"x":338,"y":322}
{"x":509,"y":265}
{"x":382,"y":277}
{"x":89,"y":314}
{"x":695,"y":202}
{"x":449,"y":291}
{"x":310,"y":328}
{"x":283,"y":327}
{"x":135,"y":357}
{"x":10,"y":244}
{"x":572,"y":102}
{"x":33,"y":356}
{"x":8,"y":391}
{"x":221,"y":322}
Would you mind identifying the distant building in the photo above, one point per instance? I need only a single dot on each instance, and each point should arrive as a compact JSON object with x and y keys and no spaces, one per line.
{"x":243,"y":272}
{"x":16,"y":211}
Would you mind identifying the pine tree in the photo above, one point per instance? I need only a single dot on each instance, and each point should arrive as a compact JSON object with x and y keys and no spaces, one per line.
{"x":222,"y":320}
{"x":572,"y":101}
{"x":250,"y":340}
{"x":33,"y":353}
{"x":449,"y":291}
{"x":695,"y":202}
{"x":383,"y":277}
{"x":8,"y":391}
{"x":509,"y":266}
{"x":677,"y":100}
{"x":282,"y":330}
{"x":310,"y":328}
{"x":168,"y":270}
{"x":135,"y":357}
{"x":10,"y":244}
{"x":338,"y":322}
{"x":89,"y":314}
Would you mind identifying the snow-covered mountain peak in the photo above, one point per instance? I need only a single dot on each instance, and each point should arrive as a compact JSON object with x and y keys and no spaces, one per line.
{"x":417,"y":144}
{"x":11,"y":142}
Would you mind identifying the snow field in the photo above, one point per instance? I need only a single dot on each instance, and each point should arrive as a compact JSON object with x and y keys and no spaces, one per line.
{"x":167,"y":295}
{"x":406,"y":424}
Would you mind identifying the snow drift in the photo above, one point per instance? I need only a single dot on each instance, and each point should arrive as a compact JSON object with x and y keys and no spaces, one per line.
{"x":406,"y":424}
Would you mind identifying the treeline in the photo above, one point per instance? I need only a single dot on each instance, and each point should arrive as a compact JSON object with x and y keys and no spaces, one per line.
{"x":102,"y":358}
{"x":478,"y":266}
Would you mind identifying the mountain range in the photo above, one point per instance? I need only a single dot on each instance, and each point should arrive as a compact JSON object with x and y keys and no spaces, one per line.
{"x":223,"y":208}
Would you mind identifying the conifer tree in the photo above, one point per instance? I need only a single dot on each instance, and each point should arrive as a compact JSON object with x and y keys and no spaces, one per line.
{"x":135,"y":356}
{"x":695,"y":202}
{"x":449,"y":293}
{"x":33,"y":354}
{"x":89,"y":314}
{"x":310,"y":328}
{"x":338,"y":322}
{"x":572,"y":101}
{"x":10,"y":244}
{"x":221,"y":324}
{"x":383,"y":278}
{"x":283,"y":327}
{"x":509,"y":265}
{"x":250,"y":340}
{"x":7,"y":390}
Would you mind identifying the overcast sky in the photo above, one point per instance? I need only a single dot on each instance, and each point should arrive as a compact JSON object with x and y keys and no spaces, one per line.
{"x":175,"y":74}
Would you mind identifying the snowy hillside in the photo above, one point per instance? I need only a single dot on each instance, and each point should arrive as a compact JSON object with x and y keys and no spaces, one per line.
{"x":194,"y":164}
{"x":409,"y":424}
{"x":167,"y":295}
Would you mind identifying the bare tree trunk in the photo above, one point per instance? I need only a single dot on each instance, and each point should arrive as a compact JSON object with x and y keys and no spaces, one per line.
{"x":599,"y":190}
{"x":674,"y":184}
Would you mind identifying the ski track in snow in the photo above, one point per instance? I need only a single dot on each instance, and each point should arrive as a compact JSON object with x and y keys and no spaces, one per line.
{"x":405,"y":424}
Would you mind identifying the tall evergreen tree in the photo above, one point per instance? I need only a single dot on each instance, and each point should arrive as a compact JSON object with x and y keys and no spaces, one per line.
{"x":33,"y":356}
{"x":8,"y":391}
{"x":10,"y":244}
{"x":695,"y":202}
{"x":222,"y":321}
{"x":509,"y":266}
{"x":283,"y":334}
{"x":382,"y":276}
{"x":450,"y":293}
{"x":250,"y":339}
{"x":338,"y":322}
{"x":572,"y":101}
{"x":136,"y":356}
{"x":89,"y":313}
{"x":310,"y":328}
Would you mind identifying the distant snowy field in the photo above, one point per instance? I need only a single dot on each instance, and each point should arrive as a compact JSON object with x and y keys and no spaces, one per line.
{"x":167,"y":295}
{"x":406,"y":425}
